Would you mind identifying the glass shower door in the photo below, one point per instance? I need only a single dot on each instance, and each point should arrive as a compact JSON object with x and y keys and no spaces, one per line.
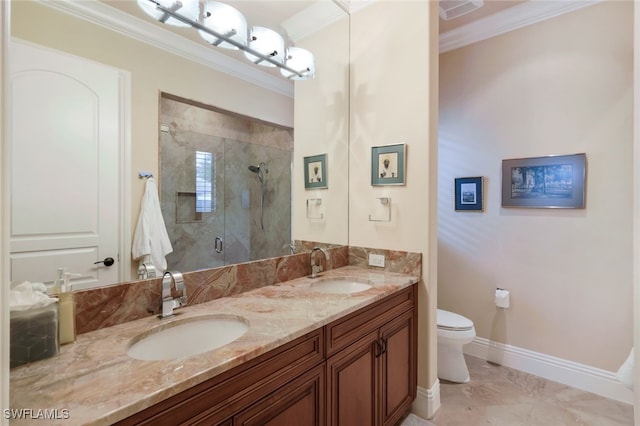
{"x":193,"y":198}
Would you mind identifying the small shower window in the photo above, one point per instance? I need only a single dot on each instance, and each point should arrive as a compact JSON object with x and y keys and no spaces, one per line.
{"x":205,"y":182}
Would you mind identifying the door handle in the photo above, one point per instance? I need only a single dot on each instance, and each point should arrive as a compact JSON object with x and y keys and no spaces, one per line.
{"x":219,"y":245}
{"x":108,"y":261}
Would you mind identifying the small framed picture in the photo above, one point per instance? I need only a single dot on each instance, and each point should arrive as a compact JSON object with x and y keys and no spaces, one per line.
{"x":469,"y":194}
{"x":315,"y":172}
{"x":388,"y":164}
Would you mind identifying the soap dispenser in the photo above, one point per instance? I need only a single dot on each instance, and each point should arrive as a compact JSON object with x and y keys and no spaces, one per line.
{"x":58,"y":283}
{"x":67,"y":311}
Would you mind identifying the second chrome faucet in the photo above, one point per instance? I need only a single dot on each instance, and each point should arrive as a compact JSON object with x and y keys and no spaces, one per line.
{"x":172,"y":279}
{"x":315,"y":269}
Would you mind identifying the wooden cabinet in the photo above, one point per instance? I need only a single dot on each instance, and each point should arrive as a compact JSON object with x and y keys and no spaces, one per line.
{"x":352,"y":381}
{"x":300,"y":403}
{"x":358,"y":370}
{"x":217,"y":400}
{"x":371,"y":379}
{"x":398,"y":368}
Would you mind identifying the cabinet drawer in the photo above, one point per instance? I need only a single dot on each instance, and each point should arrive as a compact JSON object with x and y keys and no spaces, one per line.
{"x":222,"y":396}
{"x":343,"y":332}
{"x":299,"y":403}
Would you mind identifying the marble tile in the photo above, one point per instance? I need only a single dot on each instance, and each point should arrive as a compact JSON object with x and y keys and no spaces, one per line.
{"x":120,"y":303}
{"x":395,"y":261}
{"x":502,"y":396}
{"x":413,"y":420}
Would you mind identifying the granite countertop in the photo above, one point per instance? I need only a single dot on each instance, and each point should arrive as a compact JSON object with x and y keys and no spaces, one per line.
{"x":93,"y":381}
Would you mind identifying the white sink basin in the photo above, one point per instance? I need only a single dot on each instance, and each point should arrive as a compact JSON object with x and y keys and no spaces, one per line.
{"x":187,"y":337}
{"x":340,"y":285}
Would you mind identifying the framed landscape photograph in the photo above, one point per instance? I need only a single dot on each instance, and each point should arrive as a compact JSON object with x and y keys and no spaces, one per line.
{"x":469,"y":194}
{"x":315,"y":172}
{"x":388,"y":164}
{"x":555,"y":181}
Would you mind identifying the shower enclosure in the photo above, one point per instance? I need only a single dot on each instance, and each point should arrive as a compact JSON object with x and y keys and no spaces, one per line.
{"x":225,"y":186}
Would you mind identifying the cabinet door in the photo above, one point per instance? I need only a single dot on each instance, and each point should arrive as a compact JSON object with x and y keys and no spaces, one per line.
{"x":351,"y":384}
{"x":398,"y":368}
{"x":300,"y":403}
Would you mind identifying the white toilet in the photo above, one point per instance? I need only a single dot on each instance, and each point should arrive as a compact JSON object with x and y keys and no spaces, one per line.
{"x":454,"y":331}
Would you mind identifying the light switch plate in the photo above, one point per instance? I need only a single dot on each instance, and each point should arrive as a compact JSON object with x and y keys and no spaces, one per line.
{"x":376,"y":260}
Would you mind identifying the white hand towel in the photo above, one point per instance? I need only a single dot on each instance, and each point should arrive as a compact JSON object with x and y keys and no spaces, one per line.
{"x":150,"y":239}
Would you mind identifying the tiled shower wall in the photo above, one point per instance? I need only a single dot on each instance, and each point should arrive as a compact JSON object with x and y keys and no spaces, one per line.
{"x":235,"y":142}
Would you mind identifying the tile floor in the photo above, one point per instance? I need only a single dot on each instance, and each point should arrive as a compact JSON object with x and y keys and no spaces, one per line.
{"x":502,"y":396}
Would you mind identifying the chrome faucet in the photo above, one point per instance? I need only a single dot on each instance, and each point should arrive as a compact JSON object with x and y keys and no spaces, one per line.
{"x":172,"y":279}
{"x":315,"y":269}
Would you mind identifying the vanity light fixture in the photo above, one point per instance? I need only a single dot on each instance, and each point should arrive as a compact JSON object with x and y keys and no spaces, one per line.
{"x":223,"y":19}
{"x":224,"y":26}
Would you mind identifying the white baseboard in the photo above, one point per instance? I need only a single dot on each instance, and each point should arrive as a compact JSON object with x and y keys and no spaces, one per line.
{"x":580,"y":376}
{"x":427,"y":401}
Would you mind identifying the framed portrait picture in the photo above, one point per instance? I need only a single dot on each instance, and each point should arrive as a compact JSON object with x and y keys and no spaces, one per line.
{"x":469,"y":194}
{"x":555,"y":181}
{"x":315,"y":172}
{"x":388,"y":164}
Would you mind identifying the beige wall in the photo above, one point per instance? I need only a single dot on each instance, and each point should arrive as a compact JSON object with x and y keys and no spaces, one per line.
{"x":394,"y":100}
{"x":322,"y":127}
{"x":152,"y":71}
{"x":559,"y":87}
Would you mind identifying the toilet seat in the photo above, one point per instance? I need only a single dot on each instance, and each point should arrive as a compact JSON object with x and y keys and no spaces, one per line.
{"x":453,"y":322}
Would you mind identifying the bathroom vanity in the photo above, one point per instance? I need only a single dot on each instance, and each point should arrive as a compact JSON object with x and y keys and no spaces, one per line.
{"x":307,"y":356}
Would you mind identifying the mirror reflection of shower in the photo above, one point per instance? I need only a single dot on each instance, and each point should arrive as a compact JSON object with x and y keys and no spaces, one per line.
{"x":260,"y":170}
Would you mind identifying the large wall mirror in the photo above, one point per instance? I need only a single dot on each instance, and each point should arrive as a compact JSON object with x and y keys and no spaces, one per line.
{"x":156,"y":66}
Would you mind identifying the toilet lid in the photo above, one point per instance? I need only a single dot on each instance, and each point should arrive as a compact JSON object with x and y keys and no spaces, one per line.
{"x":452,"y":321}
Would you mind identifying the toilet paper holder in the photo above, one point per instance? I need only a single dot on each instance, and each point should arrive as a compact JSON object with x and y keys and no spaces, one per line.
{"x":502,"y":298}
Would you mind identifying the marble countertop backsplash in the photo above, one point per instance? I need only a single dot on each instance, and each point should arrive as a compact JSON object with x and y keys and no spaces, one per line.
{"x":93,"y":381}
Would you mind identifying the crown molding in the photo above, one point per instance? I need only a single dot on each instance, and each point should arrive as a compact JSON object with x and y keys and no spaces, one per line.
{"x":513,"y":18}
{"x":120,"y":22}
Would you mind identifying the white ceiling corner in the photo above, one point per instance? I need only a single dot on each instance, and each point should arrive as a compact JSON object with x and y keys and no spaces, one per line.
{"x":513,"y":18}
{"x":311,"y":19}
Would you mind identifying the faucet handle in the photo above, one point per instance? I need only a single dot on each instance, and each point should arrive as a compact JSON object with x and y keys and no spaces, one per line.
{"x":178,"y":279}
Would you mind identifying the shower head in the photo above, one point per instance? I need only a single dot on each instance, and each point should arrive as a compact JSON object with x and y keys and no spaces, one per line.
{"x":259,"y":168}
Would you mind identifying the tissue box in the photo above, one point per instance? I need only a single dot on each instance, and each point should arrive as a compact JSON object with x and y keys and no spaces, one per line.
{"x":33,"y":334}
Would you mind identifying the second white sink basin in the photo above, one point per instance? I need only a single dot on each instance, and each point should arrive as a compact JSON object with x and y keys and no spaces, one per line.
{"x":340,"y":285}
{"x":187,"y":337}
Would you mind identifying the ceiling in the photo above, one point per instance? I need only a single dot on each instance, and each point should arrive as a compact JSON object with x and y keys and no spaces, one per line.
{"x":281,"y":15}
{"x":296,"y":19}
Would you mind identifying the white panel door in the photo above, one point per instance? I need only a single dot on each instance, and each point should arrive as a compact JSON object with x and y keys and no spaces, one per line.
{"x":65,"y":156}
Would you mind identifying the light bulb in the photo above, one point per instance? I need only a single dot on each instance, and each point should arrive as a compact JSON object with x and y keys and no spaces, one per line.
{"x":300,"y":60}
{"x":189,"y":9}
{"x":268,"y":43}
{"x":226,"y":21}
